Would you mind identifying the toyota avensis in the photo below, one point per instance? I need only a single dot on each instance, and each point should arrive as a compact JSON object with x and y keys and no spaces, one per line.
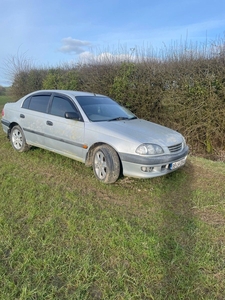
{"x":95,"y":130}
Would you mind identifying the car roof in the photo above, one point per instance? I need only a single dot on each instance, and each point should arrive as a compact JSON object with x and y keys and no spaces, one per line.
{"x":66,"y":92}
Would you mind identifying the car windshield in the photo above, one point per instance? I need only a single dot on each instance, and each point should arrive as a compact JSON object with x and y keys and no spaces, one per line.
{"x":99,"y":108}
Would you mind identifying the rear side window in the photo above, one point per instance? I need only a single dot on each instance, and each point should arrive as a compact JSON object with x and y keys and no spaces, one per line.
{"x":37,"y":103}
{"x":26,"y":103}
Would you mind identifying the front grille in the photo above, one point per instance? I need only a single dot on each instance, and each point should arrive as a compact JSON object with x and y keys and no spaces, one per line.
{"x":175,"y":148}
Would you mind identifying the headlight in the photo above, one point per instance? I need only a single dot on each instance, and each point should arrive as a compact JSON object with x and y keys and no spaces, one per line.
{"x":149,"y":149}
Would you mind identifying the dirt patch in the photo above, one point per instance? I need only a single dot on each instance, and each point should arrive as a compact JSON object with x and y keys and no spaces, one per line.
{"x":211,"y":216}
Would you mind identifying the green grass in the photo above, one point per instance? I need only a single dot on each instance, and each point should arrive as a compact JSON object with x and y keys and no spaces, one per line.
{"x":3,"y":100}
{"x":64,"y":235}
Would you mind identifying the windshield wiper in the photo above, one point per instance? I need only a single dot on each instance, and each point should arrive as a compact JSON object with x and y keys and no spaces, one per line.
{"x":122,"y":118}
{"x":118,"y":119}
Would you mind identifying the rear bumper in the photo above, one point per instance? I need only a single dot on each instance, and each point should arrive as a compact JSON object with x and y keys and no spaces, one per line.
{"x":5,"y":126}
{"x":5,"y":122}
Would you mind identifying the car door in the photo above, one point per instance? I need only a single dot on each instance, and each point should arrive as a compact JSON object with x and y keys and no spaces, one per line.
{"x":33,"y":118}
{"x":62,"y":135}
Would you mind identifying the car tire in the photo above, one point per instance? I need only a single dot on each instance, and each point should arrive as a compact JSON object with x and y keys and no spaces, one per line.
{"x":18,"y":140}
{"x":106,"y":164}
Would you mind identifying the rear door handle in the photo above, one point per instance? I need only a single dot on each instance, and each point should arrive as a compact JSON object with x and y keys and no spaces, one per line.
{"x":22,"y":116}
{"x":49,"y":123}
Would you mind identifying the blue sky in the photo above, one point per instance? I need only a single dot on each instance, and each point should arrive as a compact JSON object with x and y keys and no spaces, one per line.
{"x":53,"y":32}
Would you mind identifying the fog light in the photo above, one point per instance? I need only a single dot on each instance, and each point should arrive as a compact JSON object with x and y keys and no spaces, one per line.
{"x":147,"y":169}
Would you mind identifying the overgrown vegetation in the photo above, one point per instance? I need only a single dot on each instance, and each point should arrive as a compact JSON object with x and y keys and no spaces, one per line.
{"x":182,"y":88}
{"x":64,"y":235}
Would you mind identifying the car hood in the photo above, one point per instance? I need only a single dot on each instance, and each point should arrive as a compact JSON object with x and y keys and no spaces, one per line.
{"x":139,"y":130}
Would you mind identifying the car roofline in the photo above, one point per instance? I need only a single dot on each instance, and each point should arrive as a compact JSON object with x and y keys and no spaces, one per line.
{"x":66,"y":92}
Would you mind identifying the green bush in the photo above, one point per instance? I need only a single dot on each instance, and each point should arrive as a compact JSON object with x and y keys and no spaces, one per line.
{"x":61,"y":79}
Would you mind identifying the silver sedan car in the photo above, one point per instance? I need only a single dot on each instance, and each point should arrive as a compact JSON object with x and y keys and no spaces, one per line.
{"x":95,"y":130}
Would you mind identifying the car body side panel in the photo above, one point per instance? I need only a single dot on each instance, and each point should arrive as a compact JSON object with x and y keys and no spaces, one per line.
{"x":65,"y":136}
{"x":33,"y":125}
{"x":30,"y":121}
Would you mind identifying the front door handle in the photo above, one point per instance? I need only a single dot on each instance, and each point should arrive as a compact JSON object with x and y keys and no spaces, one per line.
{"x":22,"y":116}
{"x":49,"y":123}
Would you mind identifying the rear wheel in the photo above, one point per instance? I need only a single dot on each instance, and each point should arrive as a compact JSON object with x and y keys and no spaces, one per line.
{"x":106,"y":164}
{"x":18,"y":140}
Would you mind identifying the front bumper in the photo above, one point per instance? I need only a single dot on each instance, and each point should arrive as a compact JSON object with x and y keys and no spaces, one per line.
{"x":147,"y":167}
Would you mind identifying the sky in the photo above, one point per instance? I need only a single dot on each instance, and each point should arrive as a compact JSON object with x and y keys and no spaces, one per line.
{"x":54,"y":32}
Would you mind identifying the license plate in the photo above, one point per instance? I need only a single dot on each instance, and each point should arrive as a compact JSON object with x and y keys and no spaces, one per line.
{"x":177,"y":164}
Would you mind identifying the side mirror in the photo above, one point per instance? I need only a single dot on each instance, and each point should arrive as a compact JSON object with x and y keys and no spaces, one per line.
{"x":72,"y":116}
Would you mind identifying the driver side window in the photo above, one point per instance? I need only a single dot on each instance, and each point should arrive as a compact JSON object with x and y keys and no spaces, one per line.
{"x":61,"y":105}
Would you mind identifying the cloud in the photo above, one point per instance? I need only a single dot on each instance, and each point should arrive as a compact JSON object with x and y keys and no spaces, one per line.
{"x":104,"y":57}
{"x":73,"y":46}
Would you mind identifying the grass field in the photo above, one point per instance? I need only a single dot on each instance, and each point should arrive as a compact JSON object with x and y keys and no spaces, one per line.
{"x":64,"y":235}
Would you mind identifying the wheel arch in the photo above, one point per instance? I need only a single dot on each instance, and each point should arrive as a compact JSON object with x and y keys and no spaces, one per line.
{"x":11,"y":125}
{"x":18,"y":139}
{"x":89,"y":155}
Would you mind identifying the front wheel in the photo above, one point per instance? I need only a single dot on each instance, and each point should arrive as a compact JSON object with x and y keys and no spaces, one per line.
{"x":18,"y":140}
{"x":106,"y":164}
